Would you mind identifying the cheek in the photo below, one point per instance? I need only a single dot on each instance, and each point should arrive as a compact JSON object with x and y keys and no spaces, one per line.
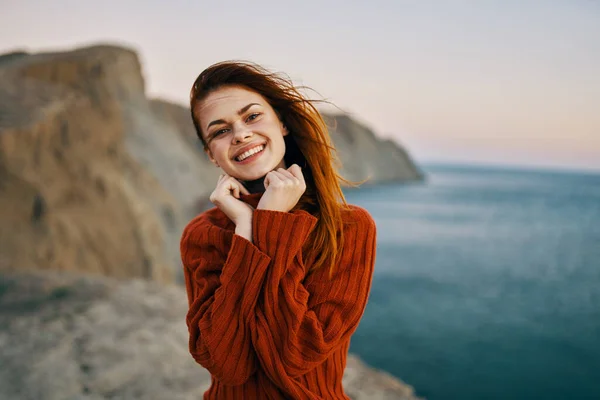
{"x":275,"y":128}
{"x":218,"y":150}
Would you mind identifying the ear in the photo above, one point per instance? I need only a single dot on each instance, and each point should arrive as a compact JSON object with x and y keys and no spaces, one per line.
{"x":284,"y":129}
{"x":210,"y":157}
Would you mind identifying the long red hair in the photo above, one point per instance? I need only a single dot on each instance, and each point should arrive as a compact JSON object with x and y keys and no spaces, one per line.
{"x":308,"y":144}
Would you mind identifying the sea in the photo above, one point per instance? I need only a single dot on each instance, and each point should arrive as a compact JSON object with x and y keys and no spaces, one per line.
{"x":486,"y":283}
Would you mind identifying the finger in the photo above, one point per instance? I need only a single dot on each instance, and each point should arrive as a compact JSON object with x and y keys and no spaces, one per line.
{"x":287,"y":174}
{"x":297,"y":172}
{"x":289,"y":177}
{"x":271,"y":178}
{"x":281,"y":178}
{"x":230,"y":184}
{"x":236,"y":191}
{"x":224,"y":177}
{"x":223,"y":183}
{"x":239,"y":185}
{"x":243,"y":189}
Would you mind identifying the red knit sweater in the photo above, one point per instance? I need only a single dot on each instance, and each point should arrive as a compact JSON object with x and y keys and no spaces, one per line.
{"x":262,"y":327}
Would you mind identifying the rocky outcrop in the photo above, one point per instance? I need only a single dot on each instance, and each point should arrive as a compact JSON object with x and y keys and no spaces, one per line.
{"x":71,"y":195}
{"x":72,"y":336}
{"x":364,"y":156}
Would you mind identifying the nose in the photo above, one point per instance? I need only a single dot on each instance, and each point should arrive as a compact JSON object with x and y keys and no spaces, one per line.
{"x":241,"y":134}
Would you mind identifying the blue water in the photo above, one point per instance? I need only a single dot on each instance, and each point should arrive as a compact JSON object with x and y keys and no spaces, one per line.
{"x":487,"y":284}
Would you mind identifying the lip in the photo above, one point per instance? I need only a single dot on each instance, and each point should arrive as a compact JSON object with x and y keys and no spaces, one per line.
{"x":246,"y":148}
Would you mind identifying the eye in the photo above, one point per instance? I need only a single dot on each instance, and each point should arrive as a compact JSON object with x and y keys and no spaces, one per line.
{"x":219,"y":132}
{"x":252,"y":116}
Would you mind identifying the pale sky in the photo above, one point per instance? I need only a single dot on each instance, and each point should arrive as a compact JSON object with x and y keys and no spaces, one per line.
{"x":496,"y":82}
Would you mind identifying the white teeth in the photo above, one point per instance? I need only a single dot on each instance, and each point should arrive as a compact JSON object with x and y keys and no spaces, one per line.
{"x":248,"y":153}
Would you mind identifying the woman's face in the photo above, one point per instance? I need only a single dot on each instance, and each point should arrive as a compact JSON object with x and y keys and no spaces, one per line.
{"x":243,"y":132}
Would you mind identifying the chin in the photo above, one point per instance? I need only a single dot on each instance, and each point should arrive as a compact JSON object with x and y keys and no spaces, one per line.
{"x":245,"y":175}
{"x":254,"y":172}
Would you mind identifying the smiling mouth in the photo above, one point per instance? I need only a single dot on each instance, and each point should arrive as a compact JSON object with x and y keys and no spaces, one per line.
{"x":250,"y":154}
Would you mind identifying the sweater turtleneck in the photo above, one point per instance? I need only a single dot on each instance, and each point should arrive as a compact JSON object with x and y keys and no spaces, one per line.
{"x":255,"y":186}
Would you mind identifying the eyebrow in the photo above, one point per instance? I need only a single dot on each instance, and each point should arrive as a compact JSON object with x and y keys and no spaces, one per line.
{"x":240,"y":112}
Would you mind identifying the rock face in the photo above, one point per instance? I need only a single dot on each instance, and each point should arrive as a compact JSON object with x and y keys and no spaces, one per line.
{"x":72,"y":336}
{"x":71,"y":195}
{"x":364,"y":156}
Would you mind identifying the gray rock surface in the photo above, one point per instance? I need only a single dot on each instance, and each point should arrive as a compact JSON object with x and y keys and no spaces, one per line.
{"x":73,"y":336}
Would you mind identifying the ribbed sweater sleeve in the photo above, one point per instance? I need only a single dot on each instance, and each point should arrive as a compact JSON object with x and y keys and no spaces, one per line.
{"x":223,"y":288}
{"x":300,"y":321}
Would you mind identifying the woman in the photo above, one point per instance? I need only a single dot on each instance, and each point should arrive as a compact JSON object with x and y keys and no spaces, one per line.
{"x":278,"y":273}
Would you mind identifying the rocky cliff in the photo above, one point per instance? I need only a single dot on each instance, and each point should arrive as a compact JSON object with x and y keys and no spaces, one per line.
{"x":73,"y":336}
{"x":365,"y":156}
{"x":71,"y":195}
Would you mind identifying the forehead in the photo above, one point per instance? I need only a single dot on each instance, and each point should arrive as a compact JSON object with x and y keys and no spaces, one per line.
{"x":225,"y":102}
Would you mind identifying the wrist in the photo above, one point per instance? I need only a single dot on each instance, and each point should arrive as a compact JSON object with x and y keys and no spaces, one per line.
{"x":243,"y":220}
{"x":270,"y":208}
{"x":243,"y":228}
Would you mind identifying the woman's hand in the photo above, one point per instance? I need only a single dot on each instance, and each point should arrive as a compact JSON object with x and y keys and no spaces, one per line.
{"x":226,"y":196}
{"x":283,"y":189}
